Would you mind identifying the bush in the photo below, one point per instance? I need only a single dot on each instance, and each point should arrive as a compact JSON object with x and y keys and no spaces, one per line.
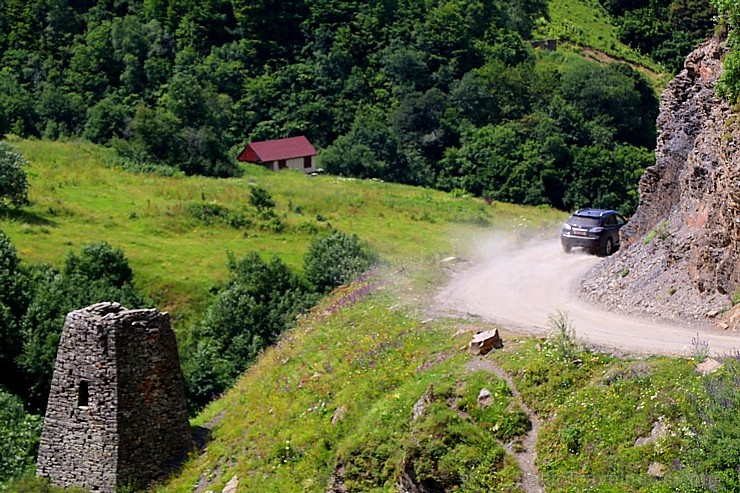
{"x":562,"y":337}
{"x":19,"y":437}
{"x":335,"y":260}
{"x":13,"y":181}
{"x":717,"y":437}
{"x":261,"y":199}
{"x":260,"y":301}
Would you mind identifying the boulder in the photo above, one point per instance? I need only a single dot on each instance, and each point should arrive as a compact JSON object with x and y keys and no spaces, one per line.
{"x":484,"y":342}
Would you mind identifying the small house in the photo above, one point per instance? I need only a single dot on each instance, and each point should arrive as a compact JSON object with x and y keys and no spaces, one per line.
{"x":293,"y":152}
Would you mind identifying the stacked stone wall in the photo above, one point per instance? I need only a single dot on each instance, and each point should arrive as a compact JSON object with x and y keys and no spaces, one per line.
{"x":116,"y":414}
{"x":79,"y":442}
{"x":153,"y":427}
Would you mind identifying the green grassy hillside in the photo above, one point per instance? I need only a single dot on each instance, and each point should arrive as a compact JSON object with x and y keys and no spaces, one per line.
{"x":178,"y":252}
{"x":588,"y":29}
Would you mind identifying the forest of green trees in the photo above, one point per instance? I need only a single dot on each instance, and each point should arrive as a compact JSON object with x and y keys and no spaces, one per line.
{"x":440,"y":93}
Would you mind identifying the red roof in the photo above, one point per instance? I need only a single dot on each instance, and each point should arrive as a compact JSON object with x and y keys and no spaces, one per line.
{"x":275,"y":150}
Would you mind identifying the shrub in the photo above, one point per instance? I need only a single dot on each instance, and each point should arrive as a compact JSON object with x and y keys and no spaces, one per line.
{"x":335,"y":260}
{"x":99,"y":262}
{"x":717,"y":437}
{"x":19,"y":437}
{"x":13,"y":181}
{"x":212,"y":213}
{"x":562,"y":337}
{"x":261,"y":199}
{"x":208,"y":212}
{"x":260,"y":301}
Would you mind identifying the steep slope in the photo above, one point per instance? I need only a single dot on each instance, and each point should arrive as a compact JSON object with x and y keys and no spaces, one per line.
{"x":682,"y":247}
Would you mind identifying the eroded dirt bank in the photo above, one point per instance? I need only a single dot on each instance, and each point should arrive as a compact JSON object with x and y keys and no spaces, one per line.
{"x":520,"y":285}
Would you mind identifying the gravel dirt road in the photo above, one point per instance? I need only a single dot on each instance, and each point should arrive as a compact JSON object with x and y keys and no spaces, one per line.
{"x":519,"y":286}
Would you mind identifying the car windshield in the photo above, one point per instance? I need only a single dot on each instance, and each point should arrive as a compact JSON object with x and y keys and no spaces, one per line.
{"x":583,"y":221}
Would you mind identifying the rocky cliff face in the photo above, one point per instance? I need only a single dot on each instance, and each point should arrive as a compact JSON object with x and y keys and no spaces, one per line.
{"x":680,"y":255}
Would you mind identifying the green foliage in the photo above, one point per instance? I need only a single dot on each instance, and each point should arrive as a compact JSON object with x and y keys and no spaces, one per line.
{"x":729,"y":82}
{"x":261,"y":199}
{"x":562,"y":337}
{"x":99,"y":273}
{"x":335,"y":260}
{"x":389,"y":95}
{"x":443,"y":451}
{"x":559,"y":152}
{"x":13,"y":181}
{"x":19,"y":438}
{"x":260,"y":301}
{"x":592,"y":423}
{"x":504,"y":421}
{"x":667,"y":29}
{"x":29,"y":483}
{"x":14,"y":299}
{"x":212,"y":213}
{"x":660,"y":231}
{"x":716,"y":450}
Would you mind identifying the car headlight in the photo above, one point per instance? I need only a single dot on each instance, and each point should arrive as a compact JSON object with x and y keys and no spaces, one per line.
{"x":596,"y":230}
{"x":567,"y":227}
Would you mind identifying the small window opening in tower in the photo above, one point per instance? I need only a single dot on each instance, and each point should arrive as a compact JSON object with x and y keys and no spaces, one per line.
{"x":83,"y":394}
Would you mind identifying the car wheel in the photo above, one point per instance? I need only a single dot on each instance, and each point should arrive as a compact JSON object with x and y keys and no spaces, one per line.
{"x":567,"y":248}
{"x":608,"y":247}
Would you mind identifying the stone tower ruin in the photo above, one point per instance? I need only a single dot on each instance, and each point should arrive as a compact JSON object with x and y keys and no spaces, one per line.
{"x":116,"y":414}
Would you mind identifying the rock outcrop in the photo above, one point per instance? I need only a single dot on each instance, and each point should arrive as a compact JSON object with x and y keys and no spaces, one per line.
{"x":680,"y":254}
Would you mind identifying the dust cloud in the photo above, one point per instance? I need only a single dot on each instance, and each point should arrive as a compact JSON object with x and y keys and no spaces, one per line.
{"x":520,"y":284}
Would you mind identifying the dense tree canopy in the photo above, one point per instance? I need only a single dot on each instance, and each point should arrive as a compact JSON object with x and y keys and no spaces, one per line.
{"x":34,"y":301}
{"x":665,"y":29}
{"x":13,"y":180}
{"x":393,"y":90}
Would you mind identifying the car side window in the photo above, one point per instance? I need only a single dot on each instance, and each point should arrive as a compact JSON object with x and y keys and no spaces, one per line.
{"x":620,"y":220}
{"x":610,"y":220}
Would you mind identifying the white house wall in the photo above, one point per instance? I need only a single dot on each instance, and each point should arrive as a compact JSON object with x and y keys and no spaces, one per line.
{"x":296,"y":163}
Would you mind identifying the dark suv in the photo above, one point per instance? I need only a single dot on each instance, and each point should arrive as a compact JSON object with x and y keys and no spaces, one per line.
{"x":596,"y":230}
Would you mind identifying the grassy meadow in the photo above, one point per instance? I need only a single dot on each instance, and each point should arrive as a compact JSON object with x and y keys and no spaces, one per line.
{"x":178,"y":252}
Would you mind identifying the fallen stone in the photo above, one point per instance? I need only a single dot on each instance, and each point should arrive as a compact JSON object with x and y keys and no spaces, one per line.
{"x":657,"y":470}
{"x":485,"y":398}
{"x":421,"y":404}
{"x":338,"y":415}
{"x":460,"y":332}
{"x":659,"y":431}
{"x":708,"y":366}
{"x":484,"y":342}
